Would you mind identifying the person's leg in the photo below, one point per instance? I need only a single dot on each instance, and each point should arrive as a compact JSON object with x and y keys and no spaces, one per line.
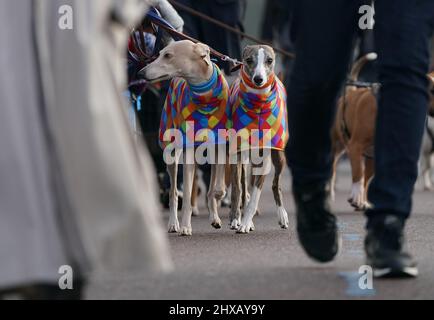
{"x":402,"y":32}
{"x":324,"y":36}
{"x":402,"y":38}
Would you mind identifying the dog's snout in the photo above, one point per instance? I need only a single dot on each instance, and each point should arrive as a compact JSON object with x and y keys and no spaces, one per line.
{"x":258,"y":80}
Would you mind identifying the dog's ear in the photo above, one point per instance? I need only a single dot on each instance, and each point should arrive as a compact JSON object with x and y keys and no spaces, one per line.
{"x":203,"y":51}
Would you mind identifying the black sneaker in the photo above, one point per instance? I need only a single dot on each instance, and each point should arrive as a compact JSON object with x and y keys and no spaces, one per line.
{"x":316,"y":225}
{"x":384,"y":249}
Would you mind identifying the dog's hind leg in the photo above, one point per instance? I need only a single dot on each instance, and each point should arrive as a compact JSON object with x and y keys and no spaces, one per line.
{"x":173,"y":225}
{"x":245,"y":185}
{"x":369,"y":174}
{"x":279,"y":160}
{"x":355,"y":153}
{"x":235,"y":213}
{"x":194,"y":196}
{"x":216,"y":193}
{"x":188,"y":176}
{"x":226,"y":202}
{"x":426,"y":174}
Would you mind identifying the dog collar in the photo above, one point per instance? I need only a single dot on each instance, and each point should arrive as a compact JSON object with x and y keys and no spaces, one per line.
{"x":245,"y":78}
{"x":207,"y":85}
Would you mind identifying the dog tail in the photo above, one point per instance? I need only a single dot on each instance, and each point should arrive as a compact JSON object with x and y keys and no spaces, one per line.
{"x":359,"y":64}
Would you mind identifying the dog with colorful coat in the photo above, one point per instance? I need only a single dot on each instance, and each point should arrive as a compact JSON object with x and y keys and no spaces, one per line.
{"x":194,"y":115}
{"x":257,"y":113}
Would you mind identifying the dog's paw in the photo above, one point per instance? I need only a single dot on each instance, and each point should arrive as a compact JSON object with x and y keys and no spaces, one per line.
{"x":357,"y":199}
{"x":365,"y":206}
{"x":235,"y":224}
{"x":359,"y":207}
{"x":186,"y":232}
{"x":252,"y":227}
{"x":283,"y":218}
{"x":245,"y":228}
{"x":173,"y":227}
{"x":216,"y":223}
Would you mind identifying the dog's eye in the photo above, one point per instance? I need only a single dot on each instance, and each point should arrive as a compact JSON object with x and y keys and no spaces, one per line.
{"x":167,"y":56}
{"x":270,"y":61}
{"x":249,"y":61}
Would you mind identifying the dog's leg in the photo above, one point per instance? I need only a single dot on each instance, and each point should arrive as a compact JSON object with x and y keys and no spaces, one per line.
{"x":245,"y":185}
{"x":355,"y":153}
{"x":226,"y":202}
{"x":426,"y":173}
{"x":188,"y":176}
{"x":173,"y":225}
{"x":216,"y":193}
{"x":278,"y":159}
{"x":369,"y":173}
{"x":427,"y":182}
{"x":337,"y":155}
{"x":194,"y":196}
{"x":235,"y":213}
{"x":252,"y":207}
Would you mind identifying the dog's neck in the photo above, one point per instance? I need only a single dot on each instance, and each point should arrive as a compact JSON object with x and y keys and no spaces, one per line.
{"x":205,"y":86}
{"x":255,"y":89}
{"x":201,"y":76}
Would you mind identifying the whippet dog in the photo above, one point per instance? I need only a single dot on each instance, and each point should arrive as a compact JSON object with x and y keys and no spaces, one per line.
{"x":198,"y":94}
{"x":258,"y":102}
{"x":354,"y":132}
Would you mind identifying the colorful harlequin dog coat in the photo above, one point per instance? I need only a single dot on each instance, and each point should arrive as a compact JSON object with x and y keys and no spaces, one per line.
{"x":204,"y":107}
{"x":264,"y":114}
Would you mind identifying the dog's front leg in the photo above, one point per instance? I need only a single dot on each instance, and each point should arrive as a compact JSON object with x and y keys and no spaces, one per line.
{"x":355,"y":153}
{"x":216,"y":193}
{"x":188,"y":176}
{"x":235,"y":213}
{"x":279,"y":161}
{"x":259,"y":173}
{"x":173,"y":225}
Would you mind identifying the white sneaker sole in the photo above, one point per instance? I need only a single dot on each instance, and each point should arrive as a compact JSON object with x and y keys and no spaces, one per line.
{"x":408,"y":272}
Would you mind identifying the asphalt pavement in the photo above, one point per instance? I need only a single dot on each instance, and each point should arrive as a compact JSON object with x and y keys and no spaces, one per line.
{"x":269,"y":262}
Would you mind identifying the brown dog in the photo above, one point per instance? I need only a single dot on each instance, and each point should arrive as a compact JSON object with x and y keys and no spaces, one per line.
{"x":354,"y":132}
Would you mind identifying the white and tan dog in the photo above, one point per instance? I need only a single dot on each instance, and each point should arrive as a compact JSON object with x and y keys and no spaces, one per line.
{"x":198,"y":94}
{"x":258,"y":103}
{"x":354,"y":132}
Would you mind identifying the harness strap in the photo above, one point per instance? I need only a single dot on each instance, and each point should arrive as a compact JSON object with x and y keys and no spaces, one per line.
{"x":344,"y":125}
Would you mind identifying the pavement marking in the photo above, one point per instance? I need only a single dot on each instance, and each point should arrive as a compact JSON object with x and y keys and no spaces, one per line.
{"x":353,"y":288}
{"x":352,"y":236}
